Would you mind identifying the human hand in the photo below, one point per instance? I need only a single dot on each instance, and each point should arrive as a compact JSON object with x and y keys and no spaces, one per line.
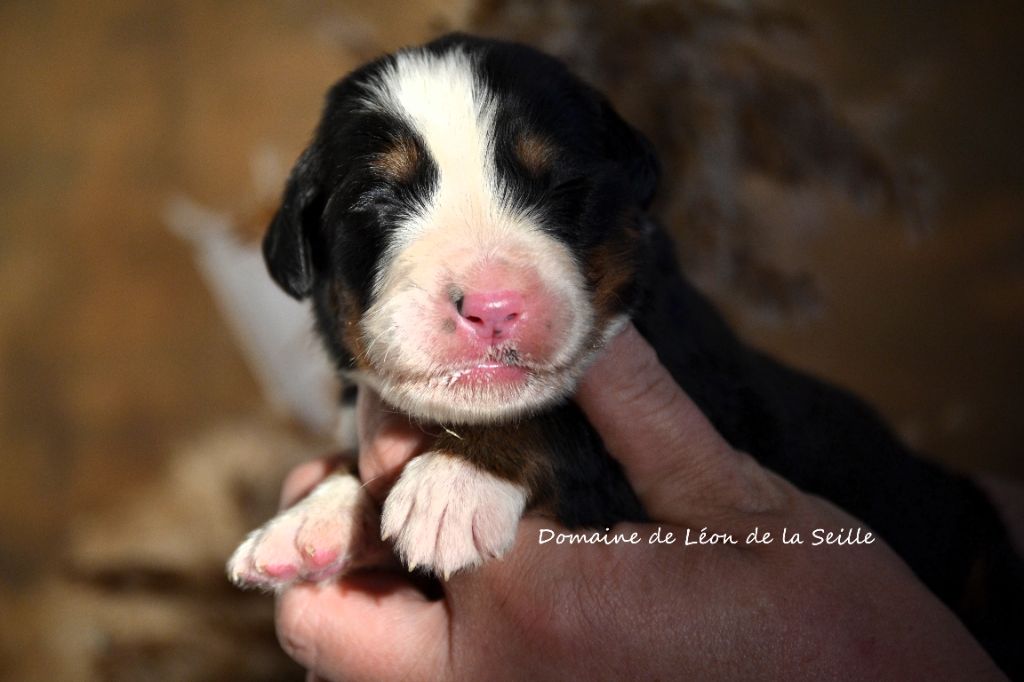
{"x":640,"y":611}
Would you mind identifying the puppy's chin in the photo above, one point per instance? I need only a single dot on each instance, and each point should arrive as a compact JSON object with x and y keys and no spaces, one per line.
{"x":489,"y":393}
{"x":459,"y":398}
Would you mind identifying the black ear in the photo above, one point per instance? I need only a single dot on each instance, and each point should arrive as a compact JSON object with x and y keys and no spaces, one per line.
{"x":627,"y":146}
{"x":287,"y":246}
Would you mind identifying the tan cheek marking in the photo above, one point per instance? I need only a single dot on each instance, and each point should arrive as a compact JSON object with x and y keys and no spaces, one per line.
{"x":448,"y":326}
{"x":399,"y":162}
{"x":534,"y":153}
{"x":345,"y":307}
{"x":611,"y":268}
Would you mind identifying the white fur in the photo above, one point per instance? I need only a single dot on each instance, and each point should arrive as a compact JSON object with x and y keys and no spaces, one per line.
{"x":335,"y":519}
{"x":452,"y":111}
{"x":446,"y":514}
{"x":464,"y":222}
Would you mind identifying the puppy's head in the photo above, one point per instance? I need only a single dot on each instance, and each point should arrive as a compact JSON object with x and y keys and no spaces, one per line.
{"x":468,"y":221}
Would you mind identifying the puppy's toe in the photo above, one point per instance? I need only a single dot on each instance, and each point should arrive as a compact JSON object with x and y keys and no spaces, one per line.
{"x":316,"y":539}
{"x":445,"y":514}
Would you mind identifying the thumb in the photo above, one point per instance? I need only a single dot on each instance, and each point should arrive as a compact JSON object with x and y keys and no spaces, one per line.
{"x":681,"y":468}
{"x":367,"y":626}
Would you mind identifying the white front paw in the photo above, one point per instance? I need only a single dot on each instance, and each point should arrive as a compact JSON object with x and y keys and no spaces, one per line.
{"x":316,"y":539}
{"x":446,"y":514}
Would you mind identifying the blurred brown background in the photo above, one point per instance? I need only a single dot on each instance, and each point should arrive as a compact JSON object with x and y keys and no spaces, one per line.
{"x":845,"y":181}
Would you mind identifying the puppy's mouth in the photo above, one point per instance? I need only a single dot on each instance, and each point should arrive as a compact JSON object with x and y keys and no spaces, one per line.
{"x":498,"y":386}
{"x":502,"y":368}
{"x":490,"y":374}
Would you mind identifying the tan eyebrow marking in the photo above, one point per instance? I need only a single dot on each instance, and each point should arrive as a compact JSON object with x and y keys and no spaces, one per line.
{"x":399,"y":162}
{"x":534,"y":153}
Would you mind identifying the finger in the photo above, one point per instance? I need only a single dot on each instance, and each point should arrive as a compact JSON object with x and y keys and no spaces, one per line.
{"x":678,"y":463}
{"x":373,"y":626}
{"x":303,"y":478}
{"x":388,"y":439}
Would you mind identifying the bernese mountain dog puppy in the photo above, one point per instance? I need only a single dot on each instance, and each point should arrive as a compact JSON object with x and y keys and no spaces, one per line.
{"x":470,"y":224}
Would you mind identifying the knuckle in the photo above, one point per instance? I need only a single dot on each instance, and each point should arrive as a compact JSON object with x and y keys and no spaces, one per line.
{"x":643,"y":376}
{"x":298,"y":482}
{"x":743,"y":489}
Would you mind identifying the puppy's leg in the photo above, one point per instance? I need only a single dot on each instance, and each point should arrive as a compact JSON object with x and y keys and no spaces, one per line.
{"x":323,"y":535}
{"x":446,"y":514}
{"x":460,"y":504}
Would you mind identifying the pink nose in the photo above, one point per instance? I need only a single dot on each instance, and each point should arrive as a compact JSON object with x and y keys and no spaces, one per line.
{"x":492,"y":314}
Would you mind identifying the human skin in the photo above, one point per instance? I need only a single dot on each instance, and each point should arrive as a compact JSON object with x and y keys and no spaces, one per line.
{"x":643,"y":611}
